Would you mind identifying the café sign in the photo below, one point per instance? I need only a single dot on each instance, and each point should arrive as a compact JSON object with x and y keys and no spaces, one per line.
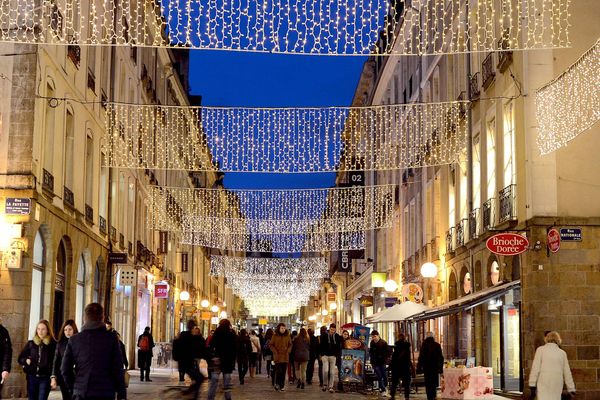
{"x":553,"y":240}
{"x":507,"y":244}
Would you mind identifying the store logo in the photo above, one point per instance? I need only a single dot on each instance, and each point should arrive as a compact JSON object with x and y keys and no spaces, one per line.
{"x":507,"y":244}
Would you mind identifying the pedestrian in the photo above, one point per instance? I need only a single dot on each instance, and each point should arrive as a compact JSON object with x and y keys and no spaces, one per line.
{"x":401,"y":366}
{"x":550,"y":370}
{"x":244,"y":348}
{"x":145,"y":345}
{"x":68,"y":329}
{"x":431,"y":364}
{"x":281,"y":346}
{"x":268,"y":356}
{"x":314,"y":350}
{"x":322,"y":334}
{"x":378,"y":354}
{"x":123,"y":350}
{"x":301,"y":352}
{"x":188,"y":347}
{"x":209,"y":338}
{"x":36,"y":359}
{"x":291,"y":369}
{"x":223,"y":355}
{"x":95,"y":351}
{"x":330,"y":350}
{"x":345,"y":336}
{"x":259,"y":358}
{"x":255,"y":354}
{"x":5,"y":355}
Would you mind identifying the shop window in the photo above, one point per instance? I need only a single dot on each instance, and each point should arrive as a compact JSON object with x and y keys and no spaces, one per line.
{"x":80,"y":292}
{"x":37,"y":283}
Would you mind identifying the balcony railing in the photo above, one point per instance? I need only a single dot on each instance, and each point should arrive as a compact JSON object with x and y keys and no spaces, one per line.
{"x":69,"y":197}
{"x":488,"y":219}
{"x":450,"y":240}
{"x":508,"y":204}
{"x":91,"y":82}
{"x":102,"y":224}
{"x":89,"y":214}
{"x":487,"y":68}
{"x":130,"y":248}
{"x":474,"y":224}
{"x":474,"y":86}
{"x":504,"y":56}
{"x":121,"y":241}
{"x":47,"y":181}
{"x":113,"y":233}
{"x":74,"y":54}
{"x":460,"y":232}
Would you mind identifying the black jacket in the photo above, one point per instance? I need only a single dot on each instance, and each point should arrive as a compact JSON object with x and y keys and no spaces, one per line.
{"x":5,"y":349}
{"x":401,"y":361}
{"x":95,"y":357}
{"x":188,"y":347}
{"x":150,"y":340}
{"x":314,"y":347}
{"x":223,"y":346}
{"x":379,"y":352}
{"x":41,"y":354}
{"x":330,"y":345}
{"x":431,"y":359}
{"x":58,"y":356}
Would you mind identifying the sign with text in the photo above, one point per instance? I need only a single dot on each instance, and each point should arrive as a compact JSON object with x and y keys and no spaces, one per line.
{"x":117,"y":258}
{"x":184,"y":262}
{"x":17,"y":206}
{"x":507,"y":244}
{"x":345,"y":261}
{"x":356,"y":178}
{"x":161,"y":290}
{"x":206,"y":316}
{"x":390,"y":301}
{"x":163,"y":242}
{"x":571,"y":234}
{"x":553,"y":240}
{"x":331,"y":297}
{"x":352,"y":366}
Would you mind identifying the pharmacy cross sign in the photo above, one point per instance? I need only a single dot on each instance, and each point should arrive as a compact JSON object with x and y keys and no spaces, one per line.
{"x":507,"y":244}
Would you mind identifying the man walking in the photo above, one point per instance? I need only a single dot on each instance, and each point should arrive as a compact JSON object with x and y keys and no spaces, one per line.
{"x":5,"y":355}
{"x":187,"y":348}
{"x":329,"y":349}
{"x":145,"y":345}
{"x":314,"y":350}
{"x":378,"y":354}
{"x":431,"y":363}
{"x":401,"y":367}
{"x":96,"y":354}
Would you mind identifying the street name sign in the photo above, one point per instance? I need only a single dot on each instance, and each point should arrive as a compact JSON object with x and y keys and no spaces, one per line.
{"x":17,"y":206}
{"x":570,"y":234}
{"x":507,"y":244}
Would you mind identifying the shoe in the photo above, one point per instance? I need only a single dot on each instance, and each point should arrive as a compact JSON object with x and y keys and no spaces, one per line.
{"x":309,"y":383}
{"x":282,"y":389}
{"x":148,"y":380}
{"x":302,"y":386}
{"x":276,"y":387}
{"x":298,"y":385}
{"x":324,"y":389}
{"x":331,"y":390}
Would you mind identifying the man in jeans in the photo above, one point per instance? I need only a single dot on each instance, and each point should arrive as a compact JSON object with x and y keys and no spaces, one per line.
{"x":223,"y":355}
{"x":330,"y":346}
{"x":378,"y":354}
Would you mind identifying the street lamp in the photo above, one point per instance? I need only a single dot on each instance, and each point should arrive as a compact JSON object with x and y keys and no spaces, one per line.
{"x":390,"y":285}
{"x":333,"y":306}
{"x":204,"y":303}
{"x":184,"y":295}
{"x":215,"y":309}
{"x":429,"y":270}
{"x":324,"y":313}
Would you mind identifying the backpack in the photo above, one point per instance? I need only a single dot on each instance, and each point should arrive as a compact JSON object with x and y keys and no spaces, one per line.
{"x":144,"y":344}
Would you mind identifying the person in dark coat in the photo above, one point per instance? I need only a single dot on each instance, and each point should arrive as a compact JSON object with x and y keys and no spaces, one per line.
{"x":378,"y":354}
{"x":145,"y":345}
{"x":244,"y":348}
{"x":431,"y":363}
{"x":301,"y":352}
{"x":401,"y":366}
{"x":330,"y":347}
{"x":314,"y":350}
{"x":5,"y":355}
{"x":68,"y":329}
{"x":95,"y":351}
{"x":223,"y":356}
{"x":187,"y":348}
{"x":36,"y":360}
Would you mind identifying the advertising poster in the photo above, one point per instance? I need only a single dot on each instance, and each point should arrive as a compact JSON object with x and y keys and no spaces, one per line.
{"x":363,"y":334}
{"x":353,"y":366}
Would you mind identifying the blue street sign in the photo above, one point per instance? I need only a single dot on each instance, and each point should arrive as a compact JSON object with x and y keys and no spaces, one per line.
{"x":570,"y":234}
{"x":17,"y":206}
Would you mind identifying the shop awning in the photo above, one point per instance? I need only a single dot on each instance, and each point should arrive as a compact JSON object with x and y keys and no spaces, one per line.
{"x":398,"y":312}
{"x":372,"y":316}
{"x":466,"y":302}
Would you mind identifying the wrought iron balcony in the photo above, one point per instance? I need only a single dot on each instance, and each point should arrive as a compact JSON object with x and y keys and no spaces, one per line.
{"x":474,"y":86}
{"x":89,"y":214}
{"x":47,"y":181}
{"x":450,"y":240}
{"x":488,"y":219}
{"x":130,"y":248}
{"x":113,"y":233}
{"x":508,"y":204}
{"x":474,"y":224}
{"x":91,"y":82}
{"x":69,"y":197}
{"x":488,"y":73}
{"x":121,"y":241}
{"x":102,"y":224}
{"x":74,"y":54}
{"x":460,"y":232}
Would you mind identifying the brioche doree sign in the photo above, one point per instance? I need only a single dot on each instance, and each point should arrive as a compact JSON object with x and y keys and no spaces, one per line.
{"x":507,"y":244}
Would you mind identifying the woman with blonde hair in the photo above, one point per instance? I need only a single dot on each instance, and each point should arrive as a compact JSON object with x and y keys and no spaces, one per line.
{"x":36,"y":360}
{"x":550,"y":370}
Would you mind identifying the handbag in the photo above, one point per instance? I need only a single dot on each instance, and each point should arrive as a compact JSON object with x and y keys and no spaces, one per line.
{"x":565,"y":395}
{"x":126,"y":377}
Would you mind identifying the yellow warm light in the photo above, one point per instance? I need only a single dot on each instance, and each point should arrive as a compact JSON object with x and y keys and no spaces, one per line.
{"x":205,"y":303}
{"x":184,"y":295}
{"x":429,"y":270}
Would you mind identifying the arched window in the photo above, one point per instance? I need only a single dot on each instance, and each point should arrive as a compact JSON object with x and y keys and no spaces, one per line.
{"x":59,"y":286}
{"x":37,"y":283}
{"x":80,"y":292}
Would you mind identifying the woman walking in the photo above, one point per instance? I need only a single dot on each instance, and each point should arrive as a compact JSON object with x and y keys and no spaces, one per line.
{"x":68,"y":329}
{"x":244,"y":348}
{"x":550,"y":370}
{"x":255,"y":353}
{"x":301,"y":352}
{"x":36,"y":360}
{"x":268,"y":356}
{"x":281,"y":345}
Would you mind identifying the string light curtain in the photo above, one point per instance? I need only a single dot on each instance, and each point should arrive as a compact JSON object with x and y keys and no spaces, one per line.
{"x":322,"y":27}
{"x":570,"y":104}
{"x":285,"y":140}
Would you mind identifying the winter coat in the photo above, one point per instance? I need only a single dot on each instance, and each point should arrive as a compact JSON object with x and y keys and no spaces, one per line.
{"x":244,"y":348}
{"x":314,"y":347}
{"x":223,"y":346}
{"x":281,"y":346}
{"x":256,"y":345}
{"x":41,"y":354}
{"x":330,"y":345}
{"x":5,"y":349}
{"x":150,"y":340}
{"x":379,"y":352}
{"x":187,"y":348}
{"x":97,"y":355}
{"x":401,"y":362}
{"x":301,"y":349}
{"x":145,"y":356}
{"x":550,"y":370}
{"x":58,"y":356}
{"x":431,"y":359}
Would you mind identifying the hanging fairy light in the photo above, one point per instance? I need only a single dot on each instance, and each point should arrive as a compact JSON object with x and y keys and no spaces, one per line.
{"x":290,"y":140}
{"x":321,"y":27}
{"x":570,"y":104}
{"x":273,"y":268}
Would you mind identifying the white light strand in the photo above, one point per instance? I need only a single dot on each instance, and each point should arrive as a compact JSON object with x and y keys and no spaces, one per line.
{"x":570,"y":104}
{"x":271,"y":268}
{"x":321,"y":27}
{"x":284,"y":140}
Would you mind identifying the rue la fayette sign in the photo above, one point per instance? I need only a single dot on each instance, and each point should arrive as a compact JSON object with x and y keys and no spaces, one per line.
{"x":507,"y":244}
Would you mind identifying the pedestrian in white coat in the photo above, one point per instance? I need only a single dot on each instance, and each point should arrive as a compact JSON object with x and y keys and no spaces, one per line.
{"x":550,"y":370}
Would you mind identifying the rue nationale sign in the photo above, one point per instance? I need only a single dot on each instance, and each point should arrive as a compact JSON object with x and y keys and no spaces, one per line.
{"x":507,"y":244}
{"x":571,"y":234}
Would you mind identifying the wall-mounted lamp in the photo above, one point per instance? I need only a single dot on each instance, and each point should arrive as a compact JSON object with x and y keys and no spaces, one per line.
{"x":429,"y":270}
{"x":184,"y":295}
{"x":205,"y":303}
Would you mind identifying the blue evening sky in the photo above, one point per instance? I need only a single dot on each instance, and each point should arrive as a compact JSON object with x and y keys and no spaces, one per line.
{"x":225,"y":78}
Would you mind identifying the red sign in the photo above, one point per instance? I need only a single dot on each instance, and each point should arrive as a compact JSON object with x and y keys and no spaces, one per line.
{"x":507,"y":244}
{"x":161,"y":290}
{"x":553,"y":240}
